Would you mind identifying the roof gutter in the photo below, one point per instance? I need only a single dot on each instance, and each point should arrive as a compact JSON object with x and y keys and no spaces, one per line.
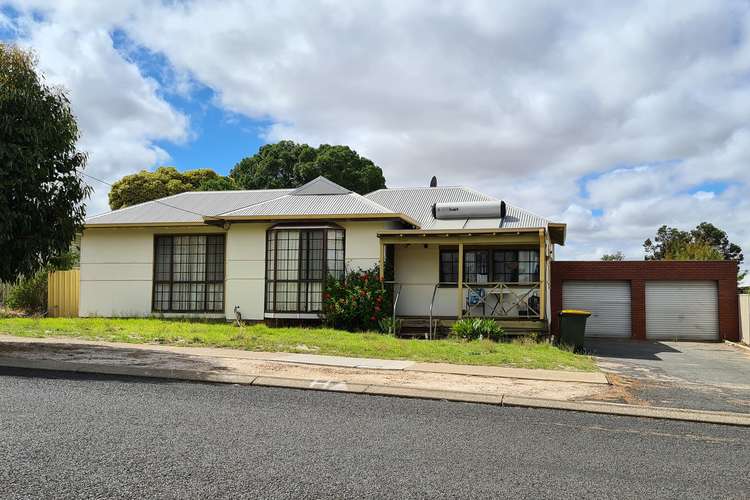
{"x":556,"y":232}
{"x":143,"y":224}
{"x":438,"y":232}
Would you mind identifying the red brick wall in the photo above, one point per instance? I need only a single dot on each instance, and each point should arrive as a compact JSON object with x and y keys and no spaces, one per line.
{"x":638,"y":272}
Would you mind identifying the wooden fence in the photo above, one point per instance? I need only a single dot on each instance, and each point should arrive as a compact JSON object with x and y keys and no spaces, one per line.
{"x":63,"y":292}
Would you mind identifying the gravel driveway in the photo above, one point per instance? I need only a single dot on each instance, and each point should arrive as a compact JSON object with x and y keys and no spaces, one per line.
{"x":695,"y":375}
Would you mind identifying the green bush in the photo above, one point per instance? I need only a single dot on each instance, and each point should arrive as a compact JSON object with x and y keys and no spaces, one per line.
{"x":29,"y":294}
{"x":476,"y":329}
{"x":355,"y":303}
{"x":389,"y":325}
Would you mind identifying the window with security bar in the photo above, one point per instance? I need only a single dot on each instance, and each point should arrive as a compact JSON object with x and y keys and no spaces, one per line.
{"x":491,"y":265}
{"x":298,"y":262}
{"x":188,"y":273}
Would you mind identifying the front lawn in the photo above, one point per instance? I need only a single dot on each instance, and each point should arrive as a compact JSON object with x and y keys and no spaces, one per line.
{"x":522,"y":354}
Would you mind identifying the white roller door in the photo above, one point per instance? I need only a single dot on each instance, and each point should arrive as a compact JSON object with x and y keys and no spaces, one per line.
{"x":682,"y":310}
{"x":608,"y":301}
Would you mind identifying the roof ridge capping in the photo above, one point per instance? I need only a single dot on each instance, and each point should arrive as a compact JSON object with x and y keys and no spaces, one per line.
{"x":319,"y":185}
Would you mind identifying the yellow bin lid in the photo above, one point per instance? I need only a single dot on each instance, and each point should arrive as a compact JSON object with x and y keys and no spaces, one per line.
{"x":575,"y":312}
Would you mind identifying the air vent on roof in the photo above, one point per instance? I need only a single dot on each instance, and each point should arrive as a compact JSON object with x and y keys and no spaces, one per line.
{"x":469,"y":210}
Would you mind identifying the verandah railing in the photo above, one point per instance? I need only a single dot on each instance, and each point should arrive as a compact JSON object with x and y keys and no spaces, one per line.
{"x":496,"y":300}
{"x":503,"y":299}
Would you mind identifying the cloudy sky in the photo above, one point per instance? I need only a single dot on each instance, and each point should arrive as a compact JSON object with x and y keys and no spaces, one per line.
{"x":615,"y":117}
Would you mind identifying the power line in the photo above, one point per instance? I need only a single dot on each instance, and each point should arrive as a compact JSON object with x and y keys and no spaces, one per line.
{"x":155,"y":201}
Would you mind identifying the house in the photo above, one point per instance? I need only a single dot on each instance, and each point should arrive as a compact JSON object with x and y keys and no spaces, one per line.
{"x":448,"y":252}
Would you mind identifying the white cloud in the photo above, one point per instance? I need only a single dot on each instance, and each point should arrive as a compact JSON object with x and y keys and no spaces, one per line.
{"x":638,"y":103}
{"x":120,"y":112}
{"x":704,"y":195}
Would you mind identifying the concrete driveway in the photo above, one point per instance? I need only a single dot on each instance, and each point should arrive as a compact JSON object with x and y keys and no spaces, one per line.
{"x":695,"y":375}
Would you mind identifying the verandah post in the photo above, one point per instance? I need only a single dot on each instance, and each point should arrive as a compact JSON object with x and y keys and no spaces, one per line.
{"x":381,"y":265}
{"x":542,"y":274}
{"x":460,"y":287}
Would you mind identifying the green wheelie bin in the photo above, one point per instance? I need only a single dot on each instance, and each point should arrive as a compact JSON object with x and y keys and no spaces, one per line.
{"x":573,"y":327}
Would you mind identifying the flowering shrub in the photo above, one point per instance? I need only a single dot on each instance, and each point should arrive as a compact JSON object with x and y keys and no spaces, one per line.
{"x":356,"y":303}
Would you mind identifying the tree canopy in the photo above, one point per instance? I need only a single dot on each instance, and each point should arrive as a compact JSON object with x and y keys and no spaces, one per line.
{"x":617,"y":256}
{"x":287,"y":164}
{"x":705,"y":242}
{"x":670,"y":240}
{"x":164,"y":181}
{"x":694,"y":250}
{"x":281,"y":165}
{"x":42,"y":193}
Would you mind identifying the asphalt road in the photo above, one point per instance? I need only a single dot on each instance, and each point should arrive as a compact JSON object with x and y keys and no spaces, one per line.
{"x":70,"y":436}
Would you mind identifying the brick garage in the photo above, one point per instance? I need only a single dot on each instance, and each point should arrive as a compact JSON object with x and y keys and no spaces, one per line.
{"x":638,"y":273}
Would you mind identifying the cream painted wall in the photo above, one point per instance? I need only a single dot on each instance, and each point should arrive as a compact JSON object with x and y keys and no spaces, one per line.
{"x":246,"y":243}
{"x":362,"y":244}
{"x":417,"y":270}
{"x":246,"y":265}
{"x":117,"y":266}
{"x":117,"y":269}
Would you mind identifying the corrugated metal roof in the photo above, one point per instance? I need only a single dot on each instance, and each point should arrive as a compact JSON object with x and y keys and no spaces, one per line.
{"x":322,"y":204}
{"x":318,"y":197}
{"x":185,"y":207}
{"x":417,"y":203}
{"x":320,"y":185}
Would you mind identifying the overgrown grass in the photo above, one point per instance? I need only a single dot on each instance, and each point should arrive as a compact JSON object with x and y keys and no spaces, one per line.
{"x":520,"y":353}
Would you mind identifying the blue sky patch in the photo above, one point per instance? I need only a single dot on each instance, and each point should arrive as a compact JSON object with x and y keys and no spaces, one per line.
{"x":716,"y":187}
{"x":6,"y":32}
{"x":218,"y":138}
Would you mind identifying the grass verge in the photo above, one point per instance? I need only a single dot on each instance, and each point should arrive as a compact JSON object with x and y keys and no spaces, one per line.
{"x":519,"y":353}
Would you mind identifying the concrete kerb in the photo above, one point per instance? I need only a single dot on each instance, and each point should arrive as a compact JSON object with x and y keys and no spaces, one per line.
{"x":725,"y":418}
{"x":333,"y":361}
{"x":738,"y":345}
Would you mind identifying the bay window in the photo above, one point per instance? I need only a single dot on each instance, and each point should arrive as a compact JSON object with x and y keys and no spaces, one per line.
{"x":298,"y":262}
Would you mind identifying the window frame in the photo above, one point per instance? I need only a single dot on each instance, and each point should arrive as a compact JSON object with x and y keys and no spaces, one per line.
{"x":491,"y":272}
{"x":205,"y":282}
{"x":271,"y":281}
{"x":441,"y":270}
